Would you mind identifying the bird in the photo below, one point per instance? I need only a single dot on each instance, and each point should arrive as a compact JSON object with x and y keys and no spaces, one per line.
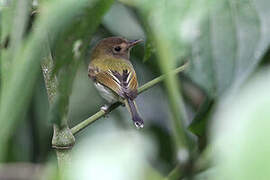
{"x":113,"y":74}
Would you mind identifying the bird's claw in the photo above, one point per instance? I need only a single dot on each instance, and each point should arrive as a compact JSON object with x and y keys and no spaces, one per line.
{"x":105,"y":108}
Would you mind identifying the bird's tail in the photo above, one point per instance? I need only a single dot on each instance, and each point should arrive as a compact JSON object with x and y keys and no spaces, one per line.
{"x":132,"y":108}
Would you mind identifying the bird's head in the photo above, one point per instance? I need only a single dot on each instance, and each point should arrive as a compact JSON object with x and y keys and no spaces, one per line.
{"x":114,"y":46}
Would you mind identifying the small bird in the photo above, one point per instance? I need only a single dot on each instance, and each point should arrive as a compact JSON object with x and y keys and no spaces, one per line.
{"x":114,"y":75}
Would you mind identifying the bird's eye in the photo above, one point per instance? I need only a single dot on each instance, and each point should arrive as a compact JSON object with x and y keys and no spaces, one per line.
{"x":117,"y":48}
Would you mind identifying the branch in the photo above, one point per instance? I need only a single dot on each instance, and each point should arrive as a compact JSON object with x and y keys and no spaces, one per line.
{"x":141,"y":89}
{"x":61,"y":137}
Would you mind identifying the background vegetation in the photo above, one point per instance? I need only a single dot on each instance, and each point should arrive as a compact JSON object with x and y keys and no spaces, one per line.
{"x":208,"y":122}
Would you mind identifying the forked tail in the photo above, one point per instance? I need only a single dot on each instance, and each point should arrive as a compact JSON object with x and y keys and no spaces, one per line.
{"x":132,"y":108}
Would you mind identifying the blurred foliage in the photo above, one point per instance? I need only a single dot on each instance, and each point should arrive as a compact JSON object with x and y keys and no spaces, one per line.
{"x":229,"y":46}
{"x":239,"y":135}
{"x":219,"y":98}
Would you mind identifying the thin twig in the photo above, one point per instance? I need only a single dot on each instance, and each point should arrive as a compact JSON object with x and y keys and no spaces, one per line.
{"x":141,"y":89}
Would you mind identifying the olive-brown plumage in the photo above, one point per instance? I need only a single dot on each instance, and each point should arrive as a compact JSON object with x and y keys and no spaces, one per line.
{"x":114,"y":75}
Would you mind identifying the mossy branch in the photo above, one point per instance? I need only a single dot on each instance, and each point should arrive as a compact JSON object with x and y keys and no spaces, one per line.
{"x":141,"y":89}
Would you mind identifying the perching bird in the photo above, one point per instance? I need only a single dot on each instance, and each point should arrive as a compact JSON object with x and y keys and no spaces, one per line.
{"x":114,"y":75}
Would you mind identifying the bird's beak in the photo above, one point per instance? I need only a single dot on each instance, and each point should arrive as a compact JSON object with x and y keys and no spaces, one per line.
{"x":134,"y":42}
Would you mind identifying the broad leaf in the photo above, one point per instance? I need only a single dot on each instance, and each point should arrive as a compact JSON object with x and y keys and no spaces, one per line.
{"x":239,"y":134}
{"x":232,"y":40}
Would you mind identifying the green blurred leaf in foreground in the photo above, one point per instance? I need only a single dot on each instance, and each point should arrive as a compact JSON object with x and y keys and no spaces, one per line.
{"x":240,"y":133}
{"x":115,"y":154}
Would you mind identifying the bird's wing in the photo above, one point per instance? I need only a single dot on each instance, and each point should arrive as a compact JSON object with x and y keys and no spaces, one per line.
{"x":120,"y":77}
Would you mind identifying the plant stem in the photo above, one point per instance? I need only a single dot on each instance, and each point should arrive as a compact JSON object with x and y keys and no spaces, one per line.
{"x":141,"y":89}
{"x":62,"y":140}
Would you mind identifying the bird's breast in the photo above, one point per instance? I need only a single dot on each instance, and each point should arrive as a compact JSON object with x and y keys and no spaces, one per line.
{"x":106,"y":93}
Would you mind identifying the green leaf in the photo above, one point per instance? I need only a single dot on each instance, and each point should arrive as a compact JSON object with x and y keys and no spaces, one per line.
{"x":239,"y":134}
{"x":232,"y":42}
{"x":14,"y":19}
{"x":201,"y":118}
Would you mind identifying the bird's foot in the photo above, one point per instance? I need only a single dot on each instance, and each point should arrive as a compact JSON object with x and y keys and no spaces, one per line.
{"x":105,"y":108}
